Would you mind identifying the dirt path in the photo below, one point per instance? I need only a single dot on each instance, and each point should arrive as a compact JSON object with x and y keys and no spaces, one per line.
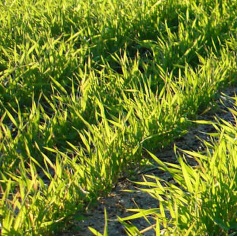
{"x":119,"y":200}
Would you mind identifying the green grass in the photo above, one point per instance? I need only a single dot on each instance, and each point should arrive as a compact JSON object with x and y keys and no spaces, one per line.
{"x":202,"y":198}
{"x":87,"y":88}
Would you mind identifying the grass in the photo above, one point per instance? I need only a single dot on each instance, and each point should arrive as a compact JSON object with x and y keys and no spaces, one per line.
{"x":86,"y":88}
{"x":202,"y":198}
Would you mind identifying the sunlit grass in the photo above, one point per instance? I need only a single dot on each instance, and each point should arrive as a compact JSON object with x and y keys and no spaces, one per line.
{"x":85,"y":87}
{"x":201,"y":200}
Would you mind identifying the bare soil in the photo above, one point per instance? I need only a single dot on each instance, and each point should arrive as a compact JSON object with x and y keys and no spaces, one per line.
{"x":119,"y":200}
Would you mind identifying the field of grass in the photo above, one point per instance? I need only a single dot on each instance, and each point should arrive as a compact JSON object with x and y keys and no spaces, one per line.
{"x":89,"y":88}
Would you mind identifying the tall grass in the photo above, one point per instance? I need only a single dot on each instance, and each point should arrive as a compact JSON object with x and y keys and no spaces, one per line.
{"x":85,"y":86}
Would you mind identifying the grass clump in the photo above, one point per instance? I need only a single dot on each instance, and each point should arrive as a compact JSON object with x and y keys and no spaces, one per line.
{"x":201,"y":200}
{"x":84,"y":87}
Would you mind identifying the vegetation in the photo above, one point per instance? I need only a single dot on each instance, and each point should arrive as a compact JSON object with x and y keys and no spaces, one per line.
{"x":87,"y":89}
{"x":202,"y":199}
